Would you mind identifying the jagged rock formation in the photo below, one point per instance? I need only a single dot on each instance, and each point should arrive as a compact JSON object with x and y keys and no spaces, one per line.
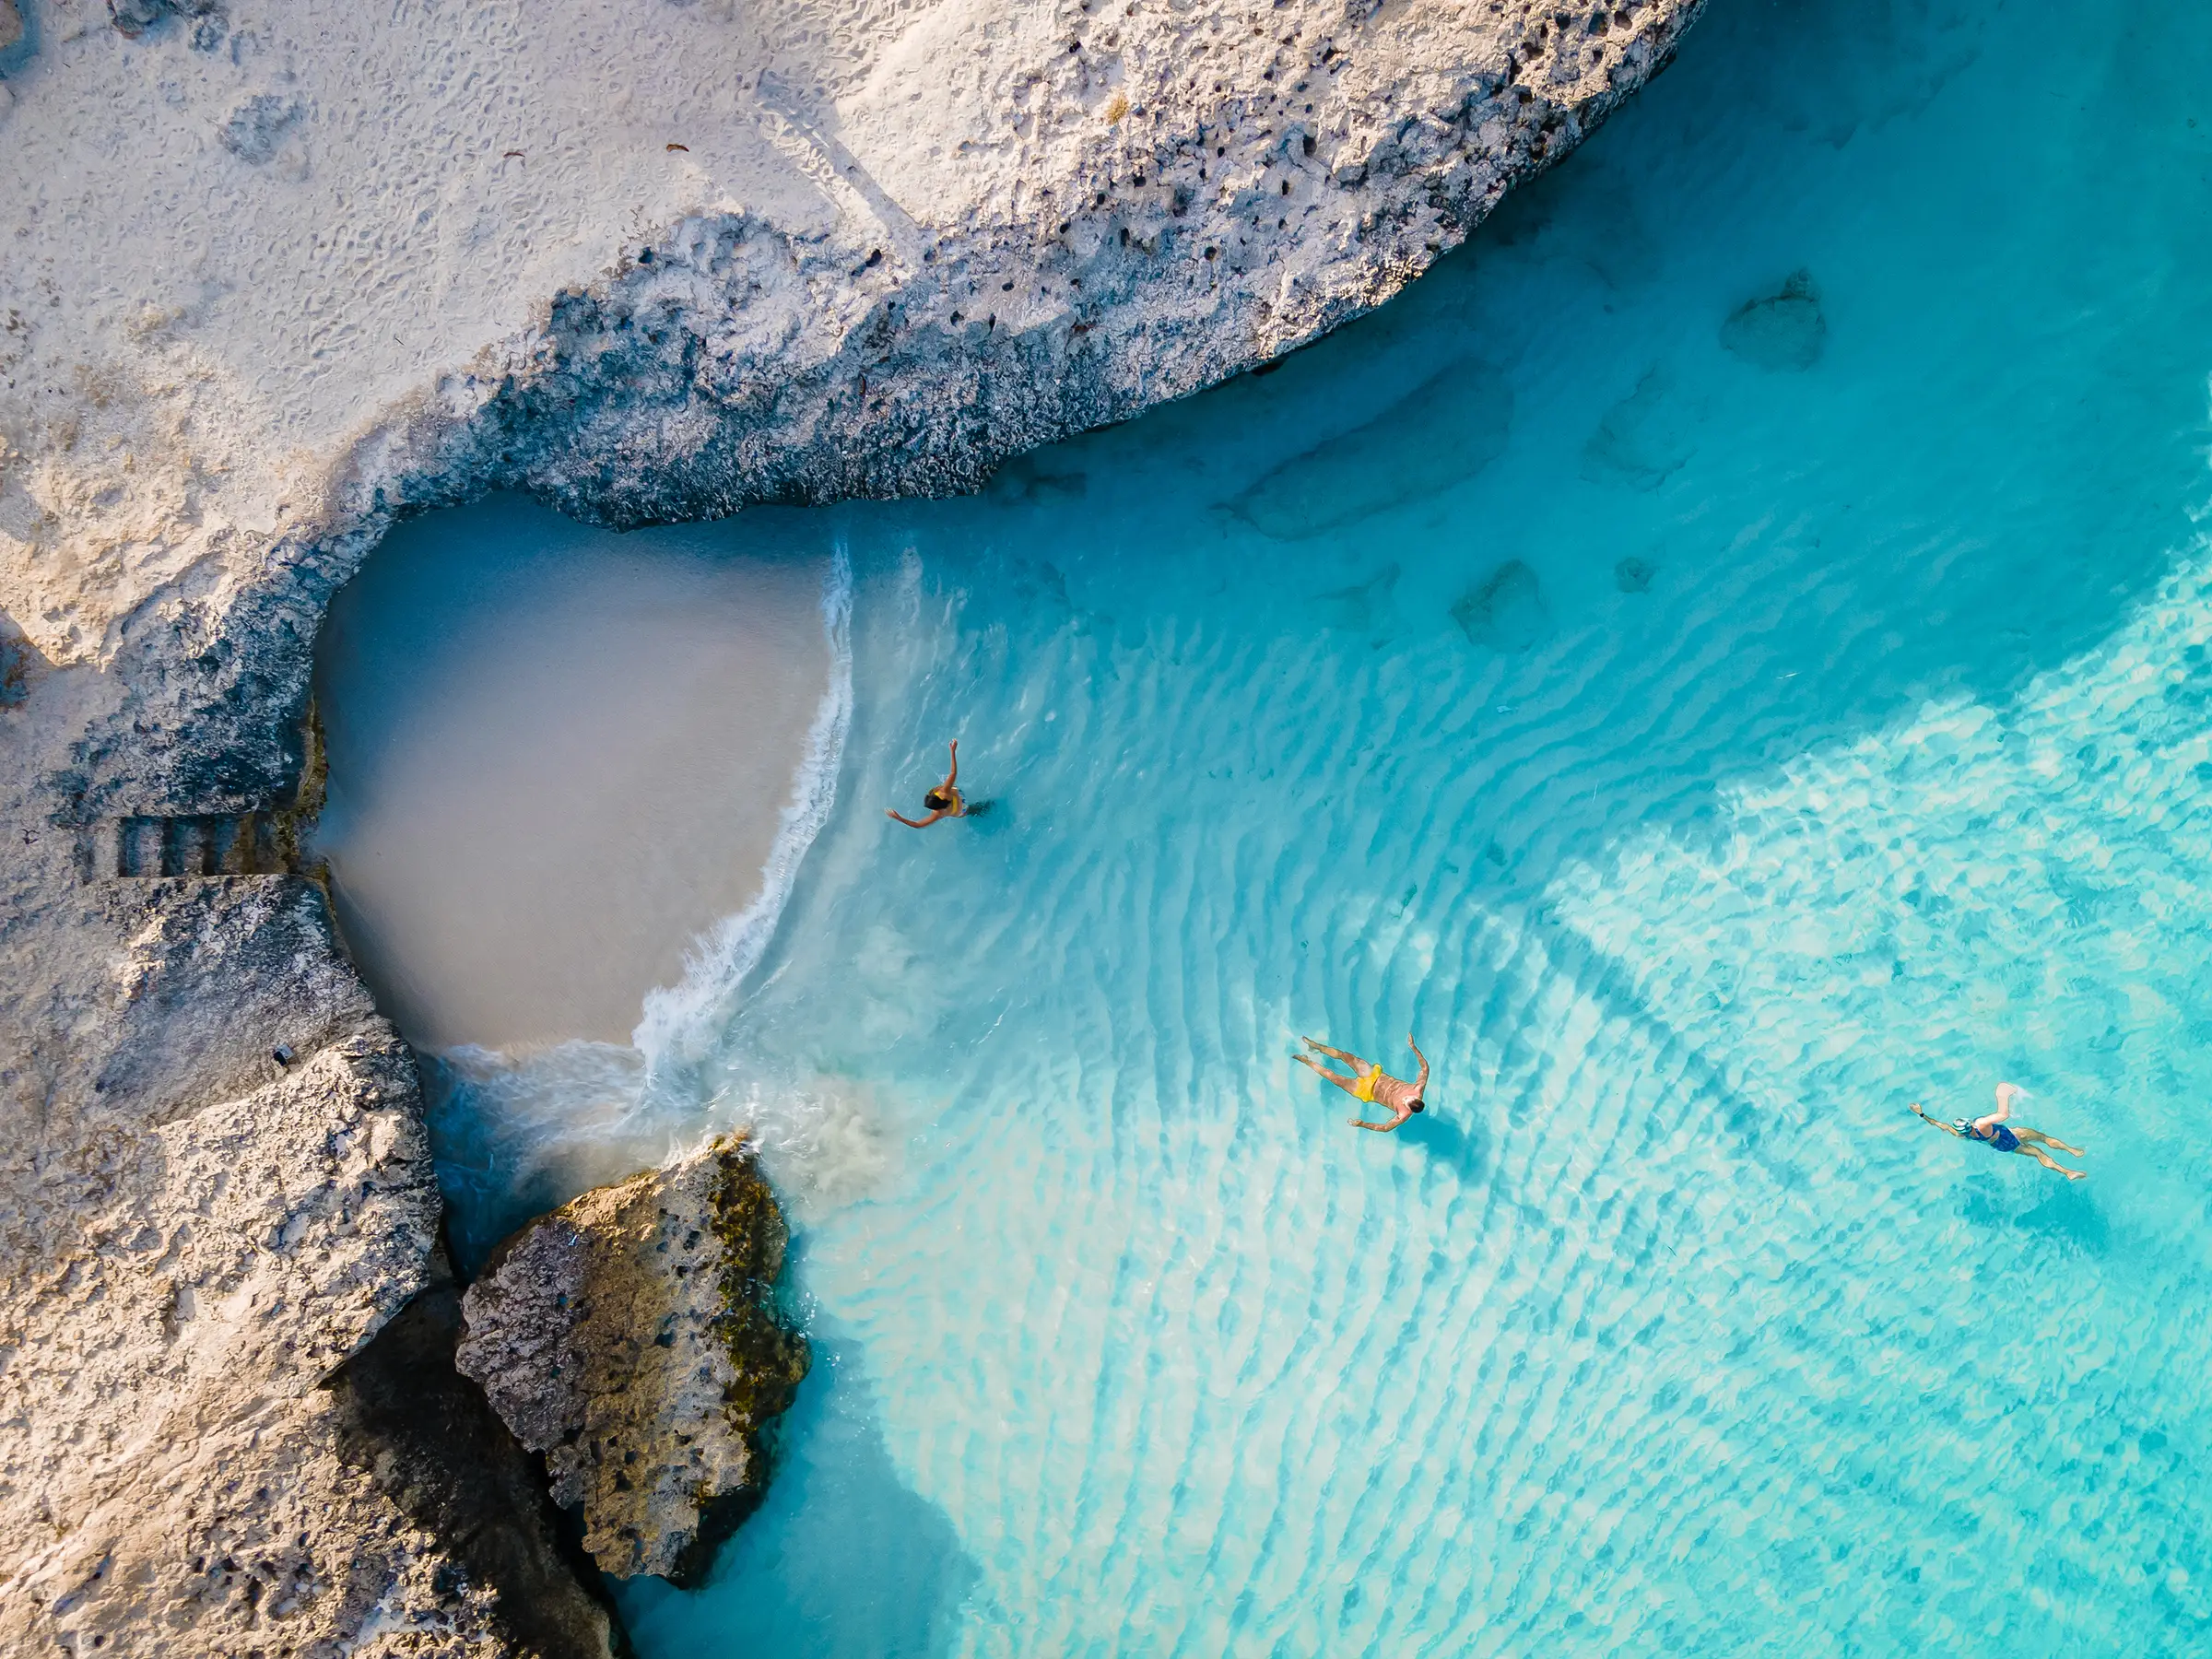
{"x":275,"y":276}
{"x":632,"y":1338}
{"x":434,"y":1448}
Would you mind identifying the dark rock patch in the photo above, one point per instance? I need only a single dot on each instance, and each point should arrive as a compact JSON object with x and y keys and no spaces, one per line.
{"x":257,"y":126}
{"x":1784,"y":331}
{"x":1634,"y":575}
{"x":1025,"y":479}
{"x":1641,"y":441}
{"x":1446,"y":430}
{"x":1505,"y":612}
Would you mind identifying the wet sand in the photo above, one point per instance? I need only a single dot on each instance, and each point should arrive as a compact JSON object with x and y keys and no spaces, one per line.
{"x":557,"y":756}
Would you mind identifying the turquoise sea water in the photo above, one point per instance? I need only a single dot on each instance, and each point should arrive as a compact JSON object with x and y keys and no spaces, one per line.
{"x":1709,"y":729}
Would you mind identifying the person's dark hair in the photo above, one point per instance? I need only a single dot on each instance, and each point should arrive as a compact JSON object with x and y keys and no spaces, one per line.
{"x":1417,"y":1106}
{"x":935,"y":802}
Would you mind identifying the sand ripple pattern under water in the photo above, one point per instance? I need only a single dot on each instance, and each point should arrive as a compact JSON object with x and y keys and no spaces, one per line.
{"x":1772,"y":725}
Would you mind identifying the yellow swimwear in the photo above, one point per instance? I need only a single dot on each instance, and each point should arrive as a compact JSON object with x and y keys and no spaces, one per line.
{"x":1366,"y":1090}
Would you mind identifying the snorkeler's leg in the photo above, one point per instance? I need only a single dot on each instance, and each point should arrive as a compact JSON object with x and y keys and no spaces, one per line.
{"x":2048,"y":1140}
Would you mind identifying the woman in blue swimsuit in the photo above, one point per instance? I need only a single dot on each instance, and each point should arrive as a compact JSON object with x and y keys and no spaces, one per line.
{"x":1995,"y":1132}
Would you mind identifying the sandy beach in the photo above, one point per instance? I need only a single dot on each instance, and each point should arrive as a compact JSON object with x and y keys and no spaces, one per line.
{"x":557,"y":756}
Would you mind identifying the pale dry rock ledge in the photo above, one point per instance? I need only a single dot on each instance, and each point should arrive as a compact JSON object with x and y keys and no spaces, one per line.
{"x":632,"y":1337}
{"x":272,"y":275}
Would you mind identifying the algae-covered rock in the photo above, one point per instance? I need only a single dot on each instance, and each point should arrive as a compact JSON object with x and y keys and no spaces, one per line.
{"x":631,"y":1337}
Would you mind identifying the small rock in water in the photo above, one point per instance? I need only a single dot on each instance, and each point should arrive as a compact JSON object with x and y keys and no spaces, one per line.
{"x":632,"y":1337}
{"x":258,"y":125}
{"x":1641,"y":441}
{"x":11,"y":24}
{"x":1634,"y":575}
{"x":1782,"y":331}
{"x":1506,"y":613}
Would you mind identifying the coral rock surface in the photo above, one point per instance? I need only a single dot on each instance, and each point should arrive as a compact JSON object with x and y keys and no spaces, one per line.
{"x":631,"y":1337}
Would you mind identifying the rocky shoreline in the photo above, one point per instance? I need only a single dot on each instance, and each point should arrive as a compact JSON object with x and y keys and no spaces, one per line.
{"x":229,"y":1416}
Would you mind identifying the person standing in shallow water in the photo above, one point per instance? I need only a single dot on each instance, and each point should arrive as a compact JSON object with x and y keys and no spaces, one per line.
{"x":1993,"y":1130}
{"x":945,"y":801}
{"x":1373,"y":1084}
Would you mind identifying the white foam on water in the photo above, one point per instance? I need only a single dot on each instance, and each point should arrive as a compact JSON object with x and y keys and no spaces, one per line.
{"x":683,"y":1022}
{"x":520,"y":1131}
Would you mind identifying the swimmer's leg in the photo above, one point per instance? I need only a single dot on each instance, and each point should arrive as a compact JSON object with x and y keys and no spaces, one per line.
{"x":1349,"y":1084}
{"x":2049,"y":1140}
{"x":1337,"y":1053}
{"x":2048,"y":1162}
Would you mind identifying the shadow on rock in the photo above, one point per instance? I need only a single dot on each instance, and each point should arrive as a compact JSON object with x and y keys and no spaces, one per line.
{"x":426,"y":1436}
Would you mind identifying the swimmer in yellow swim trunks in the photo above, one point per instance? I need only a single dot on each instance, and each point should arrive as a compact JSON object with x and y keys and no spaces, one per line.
{"x":1370,"y":1083}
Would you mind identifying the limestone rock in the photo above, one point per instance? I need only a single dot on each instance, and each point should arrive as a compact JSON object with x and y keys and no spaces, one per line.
{"x":11,"y":24}
{"x":191,"y":1236}
{"x":631,"y":1337}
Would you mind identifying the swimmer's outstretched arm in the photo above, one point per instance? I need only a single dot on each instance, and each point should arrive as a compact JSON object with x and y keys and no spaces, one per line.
{"x":953,"y":776}
{"x":1420,"y":1083}
{"x":1400,"y":1115}
{"x":1938,"y":1122}
{"x":914,"y":823}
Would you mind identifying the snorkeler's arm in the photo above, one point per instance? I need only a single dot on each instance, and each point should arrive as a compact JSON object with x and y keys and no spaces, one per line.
{"x":953,"y":776}
{"x":913,"y":823}
{"x":1420,"y":1084}
{"x":2006,"y":1094}
{"x":1926,"y":1119}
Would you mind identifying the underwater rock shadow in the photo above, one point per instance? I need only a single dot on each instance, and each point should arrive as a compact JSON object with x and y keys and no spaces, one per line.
{"x":1442,"y":433}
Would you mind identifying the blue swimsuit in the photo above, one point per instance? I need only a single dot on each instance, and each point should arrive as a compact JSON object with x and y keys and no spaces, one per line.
{"x":1999,"y":1137}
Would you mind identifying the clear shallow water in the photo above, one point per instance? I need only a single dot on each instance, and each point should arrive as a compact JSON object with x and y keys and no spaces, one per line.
{"x":1879,"y":774}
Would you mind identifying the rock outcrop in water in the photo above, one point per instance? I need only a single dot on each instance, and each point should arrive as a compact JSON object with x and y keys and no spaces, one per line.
{"x":1785,"y":330}
{"x":656,"y":262}
{"x":632,"y":1337}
